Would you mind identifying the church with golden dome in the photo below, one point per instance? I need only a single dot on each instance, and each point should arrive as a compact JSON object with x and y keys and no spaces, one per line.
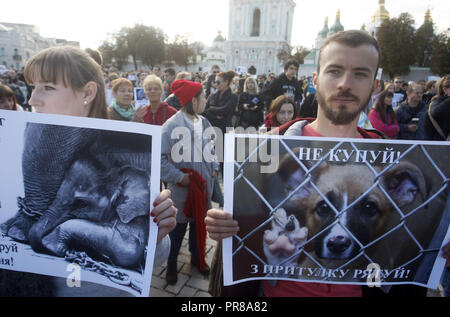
{"x":381,"y":14}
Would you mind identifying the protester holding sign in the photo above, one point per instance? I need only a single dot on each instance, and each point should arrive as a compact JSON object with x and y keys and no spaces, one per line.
{"x":250,"y":108}
{"x":344,"y":81}
{"x":189,"y":173}
{"x":67,"y":81}
{"x":122,"y":108}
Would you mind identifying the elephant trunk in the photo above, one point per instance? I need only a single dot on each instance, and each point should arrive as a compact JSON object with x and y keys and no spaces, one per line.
{"x":44,"y":226}
{"x":37,"y":232}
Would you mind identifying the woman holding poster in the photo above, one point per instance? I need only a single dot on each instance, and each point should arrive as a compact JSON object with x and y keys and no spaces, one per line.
{"x":122,"y":108}
{"x":68,"y":81}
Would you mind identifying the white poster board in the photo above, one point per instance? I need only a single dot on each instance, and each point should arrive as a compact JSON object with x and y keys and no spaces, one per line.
{"x":77,"y":191}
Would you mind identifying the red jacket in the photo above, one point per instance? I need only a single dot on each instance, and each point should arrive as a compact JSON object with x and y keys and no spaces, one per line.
{"x":270,"y":122}
{"x":163,"y":113}
{"x":391,"y":129}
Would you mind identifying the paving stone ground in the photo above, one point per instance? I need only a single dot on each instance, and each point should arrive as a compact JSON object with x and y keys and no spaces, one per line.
{"x":191,"y":283}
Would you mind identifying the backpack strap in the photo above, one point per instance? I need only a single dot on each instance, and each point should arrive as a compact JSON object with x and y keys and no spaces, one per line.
{"x":435,"y":124}
{"x":367,"y":134}
{"x":371,"y":134}
{"x":281,"y":130}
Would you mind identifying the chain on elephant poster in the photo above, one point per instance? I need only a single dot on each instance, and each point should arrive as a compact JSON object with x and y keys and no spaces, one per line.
{"x":340,"y":211}
{"x":75,"y":199}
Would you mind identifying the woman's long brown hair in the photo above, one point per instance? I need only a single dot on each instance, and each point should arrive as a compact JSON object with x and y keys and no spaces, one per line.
{"x":382,"y":108}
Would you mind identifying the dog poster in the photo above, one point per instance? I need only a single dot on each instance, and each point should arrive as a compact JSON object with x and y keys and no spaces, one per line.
{"x":75,"y":199}
{"x":340,"y":211}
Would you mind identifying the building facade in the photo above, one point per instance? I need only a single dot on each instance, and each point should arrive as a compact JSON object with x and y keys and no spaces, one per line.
{"x":258,"y":29}
{"x":311,"y":60}
{"x":18,"y":42}
{"x":216,"y":55}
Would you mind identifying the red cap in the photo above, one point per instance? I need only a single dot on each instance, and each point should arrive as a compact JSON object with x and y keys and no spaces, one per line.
{"x":185,"y":90}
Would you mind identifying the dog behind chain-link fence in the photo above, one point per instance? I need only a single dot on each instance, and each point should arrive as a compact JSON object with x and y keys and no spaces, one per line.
{"x":337,"y":216}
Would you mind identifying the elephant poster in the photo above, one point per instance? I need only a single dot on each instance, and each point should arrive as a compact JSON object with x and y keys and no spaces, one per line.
{"x":75,"y":198}
{"x":340,"y":211}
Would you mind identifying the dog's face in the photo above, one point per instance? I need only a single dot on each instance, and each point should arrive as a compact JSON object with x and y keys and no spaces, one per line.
{"x":348,"y":212}
{"x":342,"y":186}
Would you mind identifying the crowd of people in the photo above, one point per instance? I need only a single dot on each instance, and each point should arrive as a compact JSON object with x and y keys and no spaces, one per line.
{"x":397,"y":108}
{"x":224,"y":100}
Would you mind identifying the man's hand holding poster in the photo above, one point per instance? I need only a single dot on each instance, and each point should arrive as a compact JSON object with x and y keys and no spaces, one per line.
{"x":348,"y":211}
{"x":75,"y":198}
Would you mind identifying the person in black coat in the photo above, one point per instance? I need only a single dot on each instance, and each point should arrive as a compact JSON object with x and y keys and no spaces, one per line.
{"x":285,"y":84}
{"x":250,"y":108}
{"x":440,"y":113}
{"x":210,"y":87}
{"x":221,"y":104}
{"x":309,"y":106}
{"x":220,"y":107}
{"x":430,"y":92}
{"x":411,"y":113}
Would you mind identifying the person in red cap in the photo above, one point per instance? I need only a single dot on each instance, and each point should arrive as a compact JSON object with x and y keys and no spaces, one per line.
{"x":189,"y":166}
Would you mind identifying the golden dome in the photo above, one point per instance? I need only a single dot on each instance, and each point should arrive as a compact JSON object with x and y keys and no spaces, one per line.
{"x":381,"y":13}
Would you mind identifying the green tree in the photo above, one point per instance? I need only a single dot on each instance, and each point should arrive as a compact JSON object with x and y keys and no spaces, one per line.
{"x":108,"y":50}
{"x":288,"y":52}
{"x":300,"y":53}
{"x":144,"y":43}
{"x":423,"y":40}
{"x":440,"y":58}
{"x":114,"y":52}
{"x":199,"y":49}
{"x":181,"y":52}
{"x":284,"y":53}
{"x":396,"y":40}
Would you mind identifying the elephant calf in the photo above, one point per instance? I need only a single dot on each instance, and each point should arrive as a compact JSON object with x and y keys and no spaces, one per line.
{"x":103,"y":212}
{"x":85,"y":189}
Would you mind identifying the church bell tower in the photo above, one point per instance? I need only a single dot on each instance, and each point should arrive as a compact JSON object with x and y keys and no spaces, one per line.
{"x":257,"y":30}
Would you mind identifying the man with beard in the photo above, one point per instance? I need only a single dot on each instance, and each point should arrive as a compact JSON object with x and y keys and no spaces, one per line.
{"x":344,"y":82}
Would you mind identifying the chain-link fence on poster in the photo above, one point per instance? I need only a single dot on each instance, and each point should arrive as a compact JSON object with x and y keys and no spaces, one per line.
{"x":240,"y":242}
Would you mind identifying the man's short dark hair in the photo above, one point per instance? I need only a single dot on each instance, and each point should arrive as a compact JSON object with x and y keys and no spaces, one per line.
{"x":352,"y":38}
{"x":171,"y":71}
{"x":290,"y":62}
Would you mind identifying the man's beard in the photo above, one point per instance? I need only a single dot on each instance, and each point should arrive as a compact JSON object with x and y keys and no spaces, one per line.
{"x":341,"y":115}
